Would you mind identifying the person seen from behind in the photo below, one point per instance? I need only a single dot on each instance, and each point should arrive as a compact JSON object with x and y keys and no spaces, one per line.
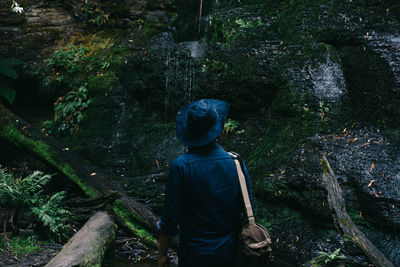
{"x":203,"y":201}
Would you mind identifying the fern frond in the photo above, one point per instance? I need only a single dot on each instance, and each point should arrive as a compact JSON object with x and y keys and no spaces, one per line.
{"x":34,"y":182}
{"x":8,"y":72}
{"x":8,"y":92}
{"x":27,"y":196}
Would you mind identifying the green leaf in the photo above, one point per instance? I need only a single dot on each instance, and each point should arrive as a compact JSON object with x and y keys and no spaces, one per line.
{"x":8,"y":93}
{"x":8,"y":71}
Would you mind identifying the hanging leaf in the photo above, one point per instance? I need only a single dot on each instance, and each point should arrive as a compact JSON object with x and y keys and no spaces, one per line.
{"x":8,"y":93}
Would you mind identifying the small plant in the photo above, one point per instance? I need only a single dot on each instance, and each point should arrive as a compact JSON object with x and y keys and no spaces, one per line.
{"x":323,"y":259}
{"x":27,"y":205}
{"x":68,"y":112}
{"x":94,"y":14}
{"x":22,"y":245}
{"x":323,"y":109}
{"x":7,"y":74}
{"x":67,"y":58}
{"x":230,"y":126}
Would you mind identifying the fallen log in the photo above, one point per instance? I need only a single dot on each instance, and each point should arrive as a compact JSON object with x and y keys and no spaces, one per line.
{"x":134,"y":215}
{"x":88,"y":245}
{"x":343,"y":221}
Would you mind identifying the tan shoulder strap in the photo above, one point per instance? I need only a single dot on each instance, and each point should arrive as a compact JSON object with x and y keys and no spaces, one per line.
{"x":243,"y":187}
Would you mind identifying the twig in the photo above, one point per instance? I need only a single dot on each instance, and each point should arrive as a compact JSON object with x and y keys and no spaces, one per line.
{"x":5,"y":238}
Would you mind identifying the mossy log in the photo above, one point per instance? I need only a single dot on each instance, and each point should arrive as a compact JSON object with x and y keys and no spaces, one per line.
{"x":88,"y":245}
{"x":93,"y":181}
{"x":343,"y":221}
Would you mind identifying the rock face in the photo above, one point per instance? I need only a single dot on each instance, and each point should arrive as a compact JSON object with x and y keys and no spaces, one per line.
{"x":344,"y":80}
{"x":387,"y":46}
{"x":303,"y":79}
{"x":38,"y":27}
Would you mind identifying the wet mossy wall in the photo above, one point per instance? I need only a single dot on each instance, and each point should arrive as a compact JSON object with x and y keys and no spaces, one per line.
{"x":369,"y":83}
{"x":137,"y":77}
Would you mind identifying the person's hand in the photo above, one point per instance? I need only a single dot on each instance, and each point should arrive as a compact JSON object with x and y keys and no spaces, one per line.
{"x":163,"y":261}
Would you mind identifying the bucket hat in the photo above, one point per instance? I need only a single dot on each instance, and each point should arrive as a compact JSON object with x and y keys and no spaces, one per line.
{"x":201,"y":122}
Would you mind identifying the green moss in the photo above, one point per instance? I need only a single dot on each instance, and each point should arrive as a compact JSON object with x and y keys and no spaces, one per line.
{"x":21,"y":246}
{"x":276,"y":216}
{"x":324,"y":166}
{"x":99,"y":85}
{"x":287,"y":127}
{"x":69,"y":171}
{"x":240,"y":81}
{"x":129,"y":221}
{"x":41,"y":149}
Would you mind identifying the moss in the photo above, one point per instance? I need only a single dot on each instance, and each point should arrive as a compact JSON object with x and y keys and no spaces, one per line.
{"x":13,"y":134}
{"x":324,"y":165}
{"x":129,"y":221}
{"x":69,"y":171}
{"x":239,"y":80}
{"x":276,"y":216}
{"x":21,"y":245}
{"x":99,"y":85}
{"x":287,"y":127}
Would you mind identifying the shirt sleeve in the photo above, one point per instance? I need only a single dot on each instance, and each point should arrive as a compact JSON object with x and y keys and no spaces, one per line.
{"x":172,"y":203}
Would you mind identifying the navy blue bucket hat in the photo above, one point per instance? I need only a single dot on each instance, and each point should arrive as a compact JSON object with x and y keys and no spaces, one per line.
{"x":201,"y":122}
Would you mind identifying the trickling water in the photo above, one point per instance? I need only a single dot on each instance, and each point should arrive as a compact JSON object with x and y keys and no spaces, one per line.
{"x":181,"y":66}
{"x":166,"y":83}
{"x":328,"y":81}
{"x":197,"y":48}
{"x":119,"y":136}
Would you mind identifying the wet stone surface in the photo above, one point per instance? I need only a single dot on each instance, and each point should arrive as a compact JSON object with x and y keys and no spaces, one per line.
{"x":366,"y":164}
{"x":40,"y":258}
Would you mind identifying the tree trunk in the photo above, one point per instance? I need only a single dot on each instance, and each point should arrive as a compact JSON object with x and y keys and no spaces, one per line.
{"x":87,"y":247}
{"x":93,"y":181}
{"x":343,"y":221}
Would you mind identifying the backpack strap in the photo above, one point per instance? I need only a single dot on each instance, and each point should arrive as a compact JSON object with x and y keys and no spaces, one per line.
{"x":243,"y":187}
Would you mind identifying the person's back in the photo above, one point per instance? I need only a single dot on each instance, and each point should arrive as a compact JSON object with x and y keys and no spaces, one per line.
{"x":203,"y":197}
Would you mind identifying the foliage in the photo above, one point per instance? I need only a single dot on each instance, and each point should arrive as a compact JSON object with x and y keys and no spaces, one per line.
{"x":68,"y":112}
{"x":62,"y":66}
{"x":323,"y":109}
{"x":7,"y":74}
{"x":94,"y":13}
{"x":239,"y":80}
{"x":324,"y":259}
{"x":230,"y":126}
{"x":22,"y":245}
{"x":68,"y":58}
{"x":229,"y":30}
{"x":26,"y":197}
{"x":290,"y":119}
{"x":273,"y":217}
{"x":85,"y":65}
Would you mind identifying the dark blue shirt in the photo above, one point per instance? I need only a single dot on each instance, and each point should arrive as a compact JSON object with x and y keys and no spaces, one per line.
{"x":203,"y":197}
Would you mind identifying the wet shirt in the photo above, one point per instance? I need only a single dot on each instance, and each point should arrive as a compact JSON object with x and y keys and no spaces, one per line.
{"x":202,"y":203}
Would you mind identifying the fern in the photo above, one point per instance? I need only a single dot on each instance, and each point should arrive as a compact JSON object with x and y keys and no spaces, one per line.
{"x":27,"y":196}
{"x":51,"y":214}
